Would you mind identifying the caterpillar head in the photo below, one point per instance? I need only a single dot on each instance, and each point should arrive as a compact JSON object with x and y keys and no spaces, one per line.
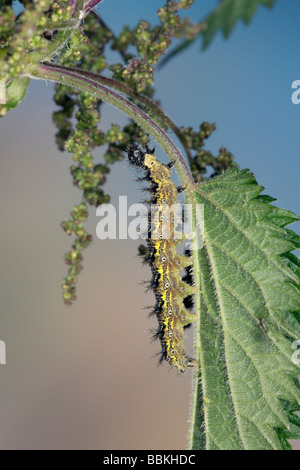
{"x":136,"y":156}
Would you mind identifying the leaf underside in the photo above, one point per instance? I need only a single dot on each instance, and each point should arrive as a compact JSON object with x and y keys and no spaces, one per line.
{"x":246,"y":388}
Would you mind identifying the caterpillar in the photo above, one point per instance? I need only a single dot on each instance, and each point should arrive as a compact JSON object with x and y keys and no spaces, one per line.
{"x":165,"y":261}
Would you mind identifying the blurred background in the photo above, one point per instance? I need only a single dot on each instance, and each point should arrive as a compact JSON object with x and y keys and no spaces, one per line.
{"x":84,"y":377}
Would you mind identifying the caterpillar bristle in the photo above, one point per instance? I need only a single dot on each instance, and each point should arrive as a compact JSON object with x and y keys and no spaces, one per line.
{"x":166,"y":263}
{"x":141,"y":179}
{"x":147,"y":286}
{"x":155,"y":335}
{"x":151,"y":314}
{"x":148,"y":307}
{"x":149,"y":151}
{"x":180,"y":189}
{"x":145,"y":190}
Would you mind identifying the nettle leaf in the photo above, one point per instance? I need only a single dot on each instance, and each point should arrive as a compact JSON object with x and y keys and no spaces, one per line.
{"x":248,"y":307}
{"x":223,"y":18}
{"x":226,"y":15}
{"x":15,"y":92}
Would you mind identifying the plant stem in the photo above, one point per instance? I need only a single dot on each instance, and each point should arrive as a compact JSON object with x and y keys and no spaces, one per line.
{"x":89,"y":83}
{"x":125,"y":88}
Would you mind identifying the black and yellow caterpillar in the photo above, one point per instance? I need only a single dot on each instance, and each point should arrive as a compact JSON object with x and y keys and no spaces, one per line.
{"x":165,"y":261}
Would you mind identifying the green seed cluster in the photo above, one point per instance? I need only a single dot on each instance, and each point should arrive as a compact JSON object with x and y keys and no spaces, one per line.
{"x":25,"y":38}
{"x":50,"y":29}
{"x":224,"y":160}
{"x":204,"y":159}
{"x":7,"y":23}
{"x":73,"y":258}
{"x":151,"y":44}
{"x":86,"y":50}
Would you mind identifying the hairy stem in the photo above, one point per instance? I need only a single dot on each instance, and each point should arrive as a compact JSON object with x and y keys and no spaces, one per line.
{"x":89,"y":84}
{"x":125,"y":88}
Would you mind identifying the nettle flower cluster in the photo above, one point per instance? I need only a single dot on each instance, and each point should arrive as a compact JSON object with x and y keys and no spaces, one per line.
{"x":55,"y":31}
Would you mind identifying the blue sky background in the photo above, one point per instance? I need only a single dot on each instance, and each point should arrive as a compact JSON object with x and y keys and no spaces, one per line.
{"x":84,"y":377}
{"x":243,"y":84}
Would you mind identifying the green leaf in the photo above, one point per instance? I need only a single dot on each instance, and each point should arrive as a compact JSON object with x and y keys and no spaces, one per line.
{"x":248,"y":304}
{"x":223,"y":18}
{"x":15,"y":92}
{"x":226,"y":15}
